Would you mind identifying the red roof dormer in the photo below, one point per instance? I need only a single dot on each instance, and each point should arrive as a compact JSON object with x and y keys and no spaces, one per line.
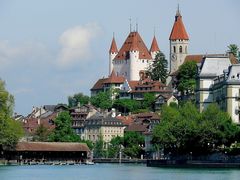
{"x":154,"y":46}
{"x":178,"y":30}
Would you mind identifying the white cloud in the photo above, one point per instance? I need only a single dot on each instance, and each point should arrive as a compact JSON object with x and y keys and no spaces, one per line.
{"x":76,"y":44}
{"x":28,"y":53}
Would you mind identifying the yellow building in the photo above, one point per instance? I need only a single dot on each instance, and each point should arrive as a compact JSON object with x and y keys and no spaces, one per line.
{"x":106,"y":127}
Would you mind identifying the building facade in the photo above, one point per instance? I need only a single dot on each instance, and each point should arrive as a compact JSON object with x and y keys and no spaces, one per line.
{"x":106,"y":128}
{"x":219,"y":82}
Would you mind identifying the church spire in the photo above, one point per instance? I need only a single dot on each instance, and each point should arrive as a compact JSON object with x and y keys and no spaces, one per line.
{"x":178,"y":31}
{"x":113,"y":48}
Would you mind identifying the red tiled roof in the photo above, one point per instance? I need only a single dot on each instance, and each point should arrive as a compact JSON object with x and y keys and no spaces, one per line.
{"x":137,"y":128}
{"x":154,"y":46}
{"x":133,"y":42}
{"x":178,"y":30}
{"x":155,"y":86}
{"x":149,"y":115}
{"x":99,"y":84}
{"x":113,"y":48}
{"x":113,"y":78}
{"x":126,"y":120}
{"x":196,"y":58}
{"x":110,"y":80}
{"x":51,"y":146}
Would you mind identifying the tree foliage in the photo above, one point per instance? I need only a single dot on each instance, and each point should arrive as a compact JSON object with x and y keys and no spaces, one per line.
{"x":102,"y":100}
{"x":133,"y":143}
{"x":10,"y":131}
{"x":126,"y":105}
{"x":63,"y":131}
{"x":187,"y":77}
{"x":234,"y":49}
{"x":148,"y":101}
{"x":78,"y":98}
{"x":158,"y":69}
{"x":183,"y":130}
{"x":41,"y":133}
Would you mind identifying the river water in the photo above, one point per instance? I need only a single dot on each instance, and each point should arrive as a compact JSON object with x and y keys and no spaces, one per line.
{"x":113,"y":172}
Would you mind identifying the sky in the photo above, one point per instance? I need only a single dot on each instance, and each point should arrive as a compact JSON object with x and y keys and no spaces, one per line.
{"x":52,"y":49}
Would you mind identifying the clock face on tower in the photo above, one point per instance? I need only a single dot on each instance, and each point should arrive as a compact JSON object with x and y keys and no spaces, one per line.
{"x":174,"y":57}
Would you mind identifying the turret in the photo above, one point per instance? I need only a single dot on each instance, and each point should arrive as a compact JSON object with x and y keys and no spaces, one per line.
{"x":133,"y":55}
{"x":179,"y":41}
{"x":154,"y":48}
{"x":112,"y":54}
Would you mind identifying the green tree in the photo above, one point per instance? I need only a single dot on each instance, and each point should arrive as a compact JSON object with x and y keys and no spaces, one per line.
{"x":234,"y":49}
{"x":99,"y":151}
{"x":10,"y":131}
{"x":184,"y":129}
{"x":148,"y":101}
{"x":158,"y":69}
{"x":102,"y":100}
{"x":126,"y":105}
{"x":133,"y":144}
{"x":63,"y":131}
{"x":41,"y":133}
{"x":114,"y":147}
{"x":77,"y":98}
{"x":187,"y":77}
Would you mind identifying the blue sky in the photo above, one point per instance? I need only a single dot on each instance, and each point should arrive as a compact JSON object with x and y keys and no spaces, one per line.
{"x":52,"y":49}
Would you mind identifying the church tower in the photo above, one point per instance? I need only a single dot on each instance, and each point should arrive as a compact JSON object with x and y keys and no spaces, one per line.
{"x":112,"y":54}
{"x":179,"y":41}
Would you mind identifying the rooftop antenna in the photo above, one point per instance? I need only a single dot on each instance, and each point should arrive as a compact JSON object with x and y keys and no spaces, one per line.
{"x":130,"y":22}
{"x":136,"y":24}
{"x":178,"y":10}
{"x":154,"y":30}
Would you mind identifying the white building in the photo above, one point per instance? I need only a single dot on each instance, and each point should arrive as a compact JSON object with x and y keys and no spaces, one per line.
{"x":219,"y":82}
{"x":133,"y":57}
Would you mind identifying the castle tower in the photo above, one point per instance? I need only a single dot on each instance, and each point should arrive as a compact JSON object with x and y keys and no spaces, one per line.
{"x":112,"y":54}
{"x":179,"y":41}
{"x":132,"y":58}
{"x":154,"y":48}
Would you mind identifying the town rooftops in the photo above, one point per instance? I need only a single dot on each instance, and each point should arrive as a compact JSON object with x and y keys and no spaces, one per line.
{"x":51,"y":146}
{"x":133,"y":42}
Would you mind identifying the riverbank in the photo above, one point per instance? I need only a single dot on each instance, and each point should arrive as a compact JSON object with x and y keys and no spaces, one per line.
{"x":115,"y":160}
{"x":192,"y":164}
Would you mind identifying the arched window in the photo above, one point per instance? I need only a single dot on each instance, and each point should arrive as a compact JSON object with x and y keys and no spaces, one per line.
{"x":180,"y":49}
{"x":185,"y":49}
{"x":174,"y":49}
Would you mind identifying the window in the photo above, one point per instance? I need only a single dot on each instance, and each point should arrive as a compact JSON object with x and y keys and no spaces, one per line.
{"x":186,"y":49}
{"x":174,"y":49}
{"x":180,"y":49}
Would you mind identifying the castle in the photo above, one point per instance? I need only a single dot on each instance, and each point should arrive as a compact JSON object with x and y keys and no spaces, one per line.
{"x":134,"y":58}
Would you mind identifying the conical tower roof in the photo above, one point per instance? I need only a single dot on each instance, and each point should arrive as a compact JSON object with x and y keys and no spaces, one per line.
{"x":178,"y":30}
{"x":133,"y":42}
{"x":154,"y":46}
{"x":113,"y":48}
